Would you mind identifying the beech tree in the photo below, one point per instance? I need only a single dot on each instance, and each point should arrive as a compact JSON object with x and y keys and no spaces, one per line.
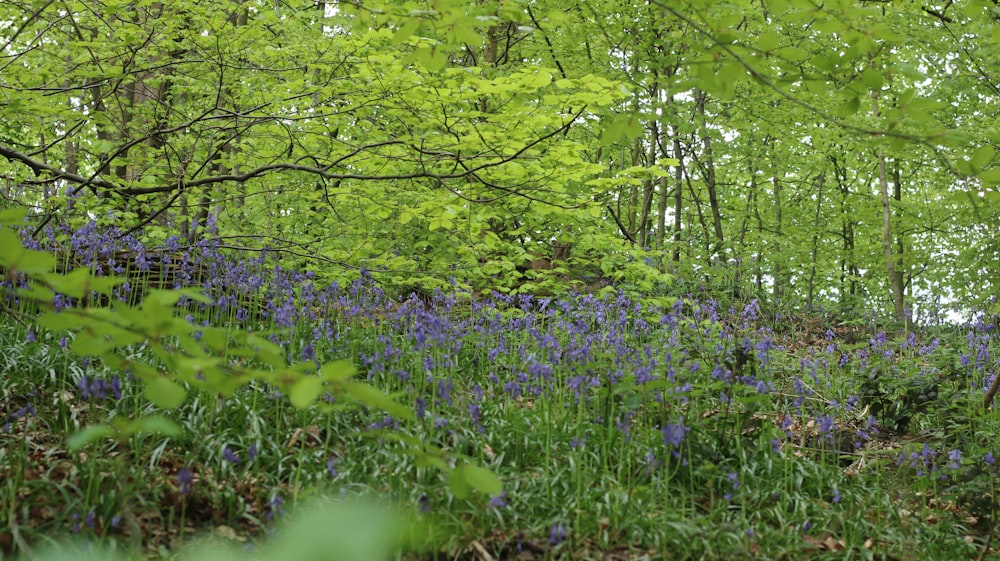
{"x":838,"y":154}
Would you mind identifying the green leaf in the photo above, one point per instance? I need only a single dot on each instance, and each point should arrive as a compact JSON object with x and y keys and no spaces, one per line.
{"x":64,"y":321}
{"x":406,"y":31}
{"x":80,"y":282}
{"x":479,"y":478}
{"x":87,"y":435}
{"x":982,"y":157}
{"x":91,"y":342}
{"x":849,"y":107}
{"x":872,"y":78}
{"x":768,"y":40}
{"x":20,"y":259}
{"x":154,"y":424}
{"x":458,"y":485}
{"x":432,"y":58}
{"x":990,"y":177}
{"x":338,"y":370}
{"x":165,"y":393}
{"x":13,"y":216}
{"x":305,"y":391}
{"x":621,"y":126}
{"x":375,"y":398}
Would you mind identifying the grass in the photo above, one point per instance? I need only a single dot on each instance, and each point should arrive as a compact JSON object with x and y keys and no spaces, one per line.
{"x":620,"y":430}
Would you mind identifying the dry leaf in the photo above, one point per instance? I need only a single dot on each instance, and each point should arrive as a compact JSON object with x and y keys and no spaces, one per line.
{"x":295,"y":438}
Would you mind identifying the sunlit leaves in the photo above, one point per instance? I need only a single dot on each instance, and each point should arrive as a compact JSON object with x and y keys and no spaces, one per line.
{"x":164,"y":392}
{"x":621,"y":126}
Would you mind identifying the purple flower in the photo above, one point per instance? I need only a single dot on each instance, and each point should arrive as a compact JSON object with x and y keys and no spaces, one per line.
{"x":989,"y":459}
{"x":476,"y":415}
{"x":836,"y":496}
{"x":184,"y":480}
{"x":308,"y":353}
{"x":557,"y":534}
{"x":954,"y":459}
{"x":673,"y":434}
{"x":274,"y":507}
{"x":31,"y":336}
{"x":95,"y":388}
{"x":499,"y":501}
{"x":252,"y":452}
{"x":331,"y":468}
{"x":230,"y":456}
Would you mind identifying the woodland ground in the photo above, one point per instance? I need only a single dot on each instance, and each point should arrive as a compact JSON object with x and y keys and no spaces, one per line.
{"x":620,"y":428}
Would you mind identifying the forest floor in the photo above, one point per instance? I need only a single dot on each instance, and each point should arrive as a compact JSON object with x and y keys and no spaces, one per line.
{"x":619,"y":430}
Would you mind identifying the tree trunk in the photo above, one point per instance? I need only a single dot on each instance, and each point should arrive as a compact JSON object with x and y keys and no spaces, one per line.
{"x":708,"y":169}
{"x":648,"y":188}
{"x":678,"y":196}
{"x":817,"y":226}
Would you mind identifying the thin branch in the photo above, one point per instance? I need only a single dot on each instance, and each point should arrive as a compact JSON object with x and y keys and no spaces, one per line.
{"x":827,"y":117}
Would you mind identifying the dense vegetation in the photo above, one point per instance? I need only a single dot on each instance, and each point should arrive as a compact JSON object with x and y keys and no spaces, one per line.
{"x":619,"y":279}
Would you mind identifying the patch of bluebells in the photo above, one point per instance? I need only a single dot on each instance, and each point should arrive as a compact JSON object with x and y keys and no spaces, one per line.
{"x":94,"y":388}
{"x":923,"y":461}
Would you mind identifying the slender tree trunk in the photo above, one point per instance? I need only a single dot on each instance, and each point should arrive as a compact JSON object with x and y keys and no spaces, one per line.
{"x":895,"y":279}
{"x":678,"y":196}
{"x":817,"y":226}
{"x":778,"y":269}
{"x":648,"y":189}
{"x":849,"y":272}
{"x":718,"y":251}
{"x":897,"y":194}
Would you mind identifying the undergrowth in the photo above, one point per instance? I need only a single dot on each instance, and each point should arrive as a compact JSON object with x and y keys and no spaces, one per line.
{"x":618,"y":427}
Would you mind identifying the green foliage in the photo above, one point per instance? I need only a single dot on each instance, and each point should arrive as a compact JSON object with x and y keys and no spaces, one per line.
{"x":180,"y":357}
{"x":342,"y":531}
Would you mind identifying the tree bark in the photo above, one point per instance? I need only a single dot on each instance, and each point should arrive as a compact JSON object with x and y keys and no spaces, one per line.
{"x":708,"y":169}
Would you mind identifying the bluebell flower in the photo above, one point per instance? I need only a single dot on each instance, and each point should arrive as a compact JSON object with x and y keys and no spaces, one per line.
{"x":499,"y":501}
{"x":230,"y":456}
{"x":557,"y":534}
{"x":184,"y":480}
{"x":954,"y":459}
{"x":274,"y":507}
{"x":673,"y":434}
